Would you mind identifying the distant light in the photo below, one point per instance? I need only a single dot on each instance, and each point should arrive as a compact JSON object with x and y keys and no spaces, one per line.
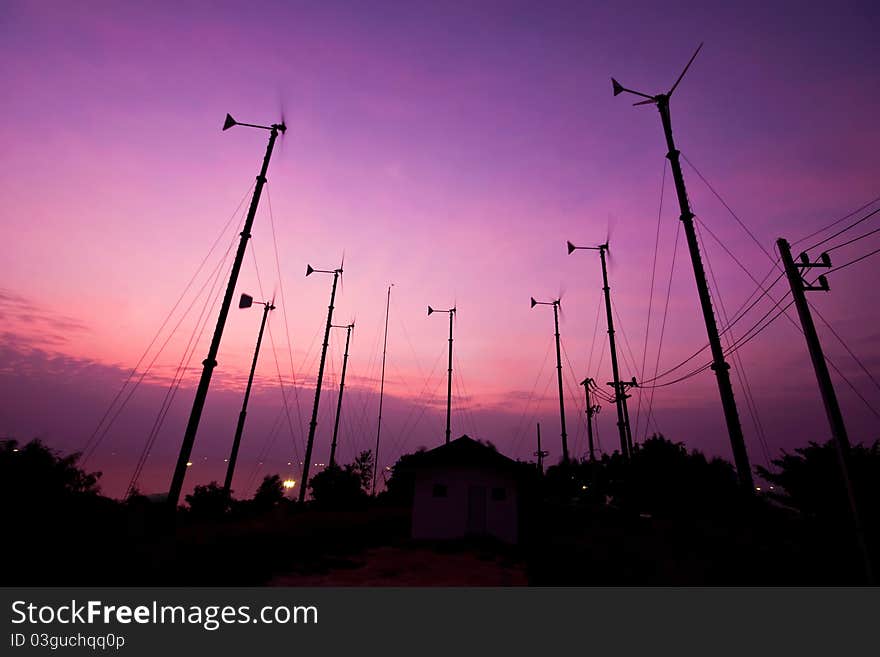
{"x":189,"y":464}
{"x":289,"y":463}
{"x":15,"y":449}
{"x":584,"y":487}
{"x":225,"y":460}
{"x":288,"y":483}
{"x":758,"y":488}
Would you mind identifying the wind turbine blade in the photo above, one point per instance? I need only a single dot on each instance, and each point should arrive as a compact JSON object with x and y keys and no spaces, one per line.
{"x":610,"y":225}
{"x":645,"y":102}
{"x":283,"y":114}
{"x":691,"y":61}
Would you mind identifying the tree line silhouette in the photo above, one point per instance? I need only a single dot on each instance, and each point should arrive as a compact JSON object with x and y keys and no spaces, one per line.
{"x":667,"y":516}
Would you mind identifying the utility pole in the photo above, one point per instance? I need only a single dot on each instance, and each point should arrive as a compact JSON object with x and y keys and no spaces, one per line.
{"x":246,"y":302}
{"x":619,"y":386}
{"x":719,"y":365}
{"x":348,"y":328}
{"x":591,"y":411}
{"x":799,"y":286}
{"x":451,"y":312}
{"x":210,"y":362}
{"x":555,"y":304}
{"x":541,"y":454}
{"x":314,"y":421}
{"x":381,"y":390}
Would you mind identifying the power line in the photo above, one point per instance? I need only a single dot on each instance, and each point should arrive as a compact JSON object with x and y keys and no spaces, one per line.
{"x":852,"y":262}
{"x":739,"y":371}
{"x":854,"y":239}
{"x":837,"y":221}
{"x":843,"y":230}
{"x":662,"y":327}
{"x":651,"y":295}
{"x":827,"y":239}
{"x":729,"y":209}
{"x":165,"y":321}
{"x":174,"y":386}
{"x":284,"y":312}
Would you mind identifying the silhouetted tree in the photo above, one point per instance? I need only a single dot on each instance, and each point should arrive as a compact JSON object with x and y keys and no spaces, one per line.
{"x":34,"y":475}
{"x":337,"y":488}
{"x":664,"y":476}
{"x":44,"y":500}
{"x":208,"y":502}
{"x":269,"y":494}
{"x":362,"y":466}
{"x":400,"y":487}
{"x":811,"y":482}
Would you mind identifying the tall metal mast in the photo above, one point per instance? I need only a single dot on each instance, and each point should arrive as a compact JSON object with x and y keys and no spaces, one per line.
{"x":555,"y":304}
{"x":314,"y":421}
{"x":381,"y":390}
{"x":246,"y":302}
{"x":617,"y":384}
{"x":210,"y":362}
{"x":451,"y":312}
{"x":719,"y":365}
{"x":348,"y":328}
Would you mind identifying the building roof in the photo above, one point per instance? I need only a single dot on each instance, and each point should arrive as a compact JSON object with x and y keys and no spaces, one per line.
{"x":465,"y":451}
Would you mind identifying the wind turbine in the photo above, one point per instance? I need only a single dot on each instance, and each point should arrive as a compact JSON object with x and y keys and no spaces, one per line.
{"x":192,"y":426}
{"x":719,"y":365}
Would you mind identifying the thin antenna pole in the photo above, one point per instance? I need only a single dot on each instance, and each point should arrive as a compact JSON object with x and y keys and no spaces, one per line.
{"x":826,"y":387}
{"x":210,"y":362}
{"x":339,"y":399}
{"x":719,"y":365}
{"x":449,"y":380}
{"x":381,"y":390}
{"x":314,"y":421}
{"x":239,"y":428}
{"x":619,"y":393}
{"x":559,"y":378}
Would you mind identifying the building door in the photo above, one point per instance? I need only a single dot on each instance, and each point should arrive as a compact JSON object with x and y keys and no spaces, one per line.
{"x":476,"y":517}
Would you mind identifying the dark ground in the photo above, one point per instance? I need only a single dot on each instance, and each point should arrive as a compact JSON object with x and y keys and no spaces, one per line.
{"x":563,"y":545}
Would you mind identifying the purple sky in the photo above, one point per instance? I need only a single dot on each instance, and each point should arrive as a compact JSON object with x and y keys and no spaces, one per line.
{"x":449,"y":148}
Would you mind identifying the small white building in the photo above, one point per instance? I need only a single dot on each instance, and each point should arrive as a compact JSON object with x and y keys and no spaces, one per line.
{"x":463,"y":489}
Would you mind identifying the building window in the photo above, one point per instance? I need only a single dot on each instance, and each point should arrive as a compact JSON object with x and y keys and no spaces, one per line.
{"x":499,"y":494}
{"x":440,"y":490}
